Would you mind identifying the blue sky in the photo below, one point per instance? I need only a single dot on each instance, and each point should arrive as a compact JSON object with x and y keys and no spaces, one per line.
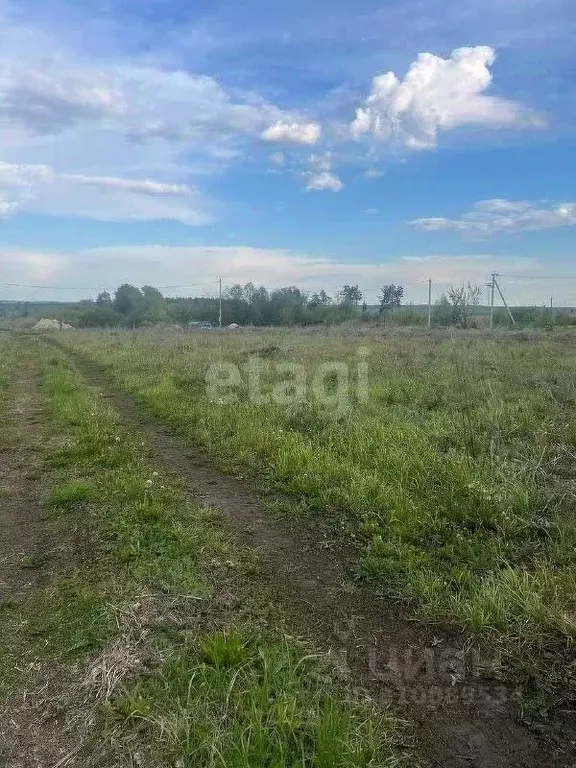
{"x":302,"y":143}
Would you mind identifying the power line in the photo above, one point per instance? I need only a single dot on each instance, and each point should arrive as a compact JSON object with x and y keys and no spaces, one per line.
{"x":97,"y":288}
{"x":49,"y":287}
{"x":536,"y":277}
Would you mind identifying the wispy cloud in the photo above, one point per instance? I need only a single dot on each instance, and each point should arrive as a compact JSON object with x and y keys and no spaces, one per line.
{"x":490,"y":216}
{"x":39,"y":188}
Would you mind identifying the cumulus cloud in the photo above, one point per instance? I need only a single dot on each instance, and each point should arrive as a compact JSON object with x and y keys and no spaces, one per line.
{"x":324,"y":181}
{"x":436,"y":95}
{"x":292,"y":133}
{"x":38,"y":188}
{"x":489,"y":216}
{"x":320,"y":177}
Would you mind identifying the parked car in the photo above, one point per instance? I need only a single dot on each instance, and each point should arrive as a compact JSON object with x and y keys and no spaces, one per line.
{"x":201,"y":325}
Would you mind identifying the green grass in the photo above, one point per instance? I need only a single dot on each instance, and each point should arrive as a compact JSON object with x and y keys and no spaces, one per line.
{"x":71,"y":619}
{"x":456,"y":478}
{"x":234,"y":701}
{"x":134,"y":599}
{"x":69,"y":494}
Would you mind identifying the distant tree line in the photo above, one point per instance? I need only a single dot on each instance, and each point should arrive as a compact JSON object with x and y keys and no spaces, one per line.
{"x":248,"y":304}
{"x":243,"y":304}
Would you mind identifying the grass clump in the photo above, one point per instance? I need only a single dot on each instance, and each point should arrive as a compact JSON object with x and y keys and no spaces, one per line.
{"x":70,"y":494}
{"x":235,"y":700}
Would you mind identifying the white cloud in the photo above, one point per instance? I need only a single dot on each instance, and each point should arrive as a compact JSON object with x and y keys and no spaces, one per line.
{"x":51,"y":102}
{"x":98,"y":113}
{"x":106,"y":268}
{"x":40,"y":189}
{"x":114,"y":117}
{"x":320,"y":178}
{"x":489,"y":216}
{"x":321,"y":162}
{"x":292,"y":133}
{"x":324,"y":181}
{"x":373,"y":173}
{"x":436,"y":95}
{"x":29,"y":266}
{"x":46,"y":94}
{"x":144,"y":187}
{"x":8,"y":208}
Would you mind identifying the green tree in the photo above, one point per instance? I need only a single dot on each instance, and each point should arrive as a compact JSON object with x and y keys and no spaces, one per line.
{"x":104,"y":299}
{"x":288,"y":305}
{"x":154,"y":302}
{"x":443,"y":312}
{"x":127,"y":299}
{"x":319,"y":300}
{"x":351,"y":295}
{"x":390,"y":297}
{"x":464,"y":300}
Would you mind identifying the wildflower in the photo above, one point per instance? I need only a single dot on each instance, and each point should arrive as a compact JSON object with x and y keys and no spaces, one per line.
{"x":148,"y":482}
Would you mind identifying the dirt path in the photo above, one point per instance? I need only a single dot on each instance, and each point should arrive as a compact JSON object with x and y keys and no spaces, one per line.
{"x":463,"y":720}
{"x":28,"y":737}
{"x":21,"y":525}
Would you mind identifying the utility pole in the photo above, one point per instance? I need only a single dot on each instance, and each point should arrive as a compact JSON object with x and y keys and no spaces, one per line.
{"x":429,"y":303}
{"x":551,"y":305}
{"x":510,"y":315}
{"x":219,"y":302}
{"x":492,"y":286}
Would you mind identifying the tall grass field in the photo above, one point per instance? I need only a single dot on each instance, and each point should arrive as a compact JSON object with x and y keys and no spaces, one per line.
{"x":448,"y":460}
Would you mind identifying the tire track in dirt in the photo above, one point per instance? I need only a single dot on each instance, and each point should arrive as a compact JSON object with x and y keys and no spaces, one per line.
{"x":463,"y":720}
{"x":22,"y":530}
{"x":30,"y":731}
